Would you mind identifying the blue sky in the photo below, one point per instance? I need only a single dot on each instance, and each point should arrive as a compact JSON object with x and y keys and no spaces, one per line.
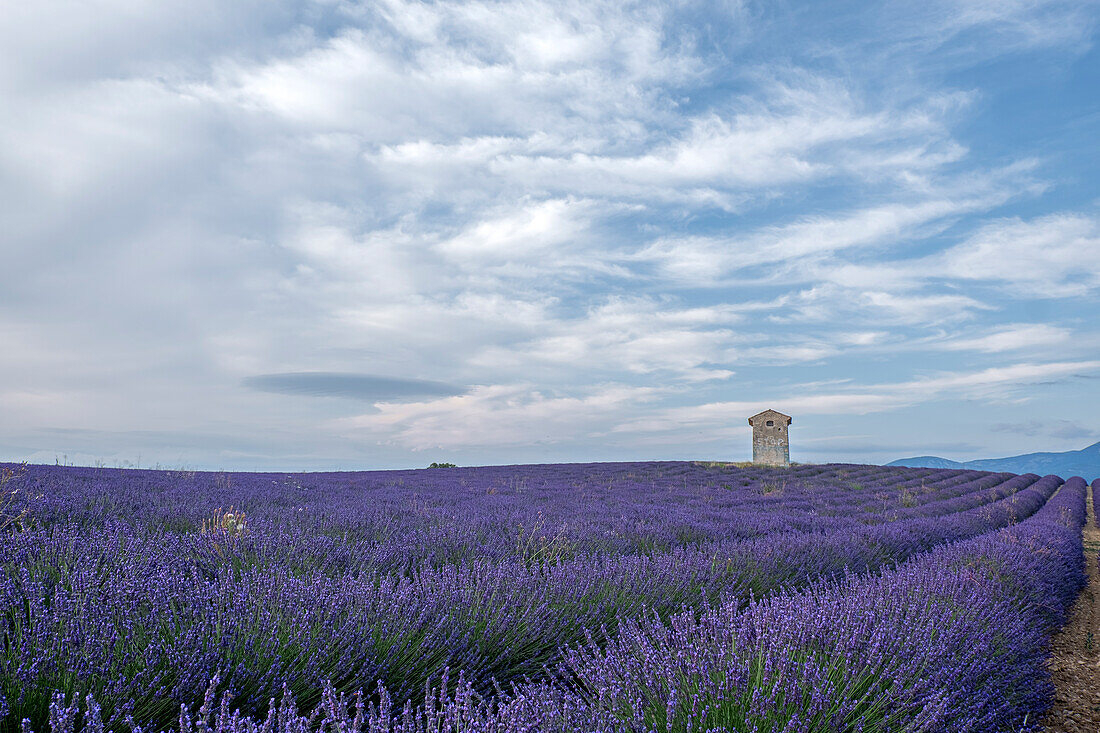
{"x":330,"y":234}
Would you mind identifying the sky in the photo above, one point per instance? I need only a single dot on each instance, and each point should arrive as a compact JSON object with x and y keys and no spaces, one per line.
{"x":269,"y":235}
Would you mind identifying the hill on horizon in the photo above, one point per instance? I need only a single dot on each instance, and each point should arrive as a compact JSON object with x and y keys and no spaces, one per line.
{"x":1084,"y":463}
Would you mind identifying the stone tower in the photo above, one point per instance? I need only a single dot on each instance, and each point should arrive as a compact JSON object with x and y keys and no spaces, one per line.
{"x":770,"y":444}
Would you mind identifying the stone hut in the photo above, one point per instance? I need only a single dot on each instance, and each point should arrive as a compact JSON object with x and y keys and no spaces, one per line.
{"x":770,"y":444}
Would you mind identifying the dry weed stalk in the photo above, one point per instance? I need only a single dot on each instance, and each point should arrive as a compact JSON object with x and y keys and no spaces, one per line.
{"x":229,"y":522}
{"x":9,"y":517}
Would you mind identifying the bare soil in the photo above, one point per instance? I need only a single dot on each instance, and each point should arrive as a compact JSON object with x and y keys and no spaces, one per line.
{"x":1075,"y":652}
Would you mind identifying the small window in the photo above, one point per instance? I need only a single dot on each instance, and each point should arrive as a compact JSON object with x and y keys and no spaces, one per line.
{"x":769,"y":423}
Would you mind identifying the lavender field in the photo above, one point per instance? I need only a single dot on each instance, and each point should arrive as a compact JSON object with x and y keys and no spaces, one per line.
{"x":665,"y":596}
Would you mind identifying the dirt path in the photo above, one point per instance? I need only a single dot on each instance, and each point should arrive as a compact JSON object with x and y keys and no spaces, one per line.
{"x":1075,"y":652}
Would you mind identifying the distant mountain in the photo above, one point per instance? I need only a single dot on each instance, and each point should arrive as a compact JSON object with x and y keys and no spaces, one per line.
{"x":927,"y":462}
{"x":1084,"y":462}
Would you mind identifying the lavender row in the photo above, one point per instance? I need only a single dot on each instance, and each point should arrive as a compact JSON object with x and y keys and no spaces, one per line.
{"x":953,"y":641}
{"x":1096,"y":509}
{"x":143,"y":618}
{"x":835,"y":546}
{"x":1095,"y":502}
{"x":396,"y":520}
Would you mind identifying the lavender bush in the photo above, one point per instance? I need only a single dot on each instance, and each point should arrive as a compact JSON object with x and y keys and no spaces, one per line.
{"x":953,"y":641}
{"x":563,"y":597}
{"x":1095,"y":502}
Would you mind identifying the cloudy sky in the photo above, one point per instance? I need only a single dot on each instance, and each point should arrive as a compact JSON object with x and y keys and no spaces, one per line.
{"x":335,"y":234}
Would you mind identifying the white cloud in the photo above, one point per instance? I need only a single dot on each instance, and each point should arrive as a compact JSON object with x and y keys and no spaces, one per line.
{"x":830,"y":303}
{"x":536,"y":238}
{"x":1055,"y":256}
{"x":795,"y":130}
{"x":1020,"y":24}
{"x":125,"y":132}
{"x":455,"y":69}
{"x":711,"y":259}
{"x":499,"y":415}
{"x":996,"y":383}
{"x":639,"y":336}
{"x":829,"y":247}
{"x":799,"y":133}
{"x":1011,"y":338}
{"x":497,"y":193}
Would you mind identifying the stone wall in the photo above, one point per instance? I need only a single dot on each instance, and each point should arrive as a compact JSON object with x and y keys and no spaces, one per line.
{"x":770,"y":441}
{"x":770,"y":446}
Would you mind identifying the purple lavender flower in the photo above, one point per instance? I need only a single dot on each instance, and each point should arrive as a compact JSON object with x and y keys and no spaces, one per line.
{"x":629,"y":596}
